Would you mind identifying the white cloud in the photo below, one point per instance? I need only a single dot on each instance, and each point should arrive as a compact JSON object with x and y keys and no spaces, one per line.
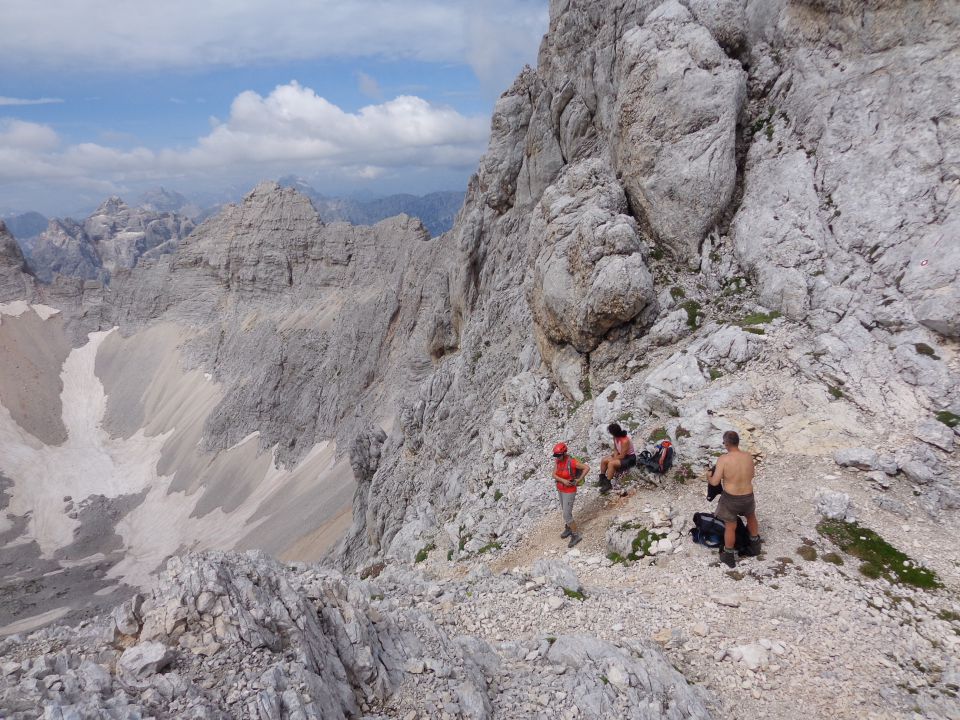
{"x":291,"y":130}
{"x":12,"y":101}
{"x":144,"y":34}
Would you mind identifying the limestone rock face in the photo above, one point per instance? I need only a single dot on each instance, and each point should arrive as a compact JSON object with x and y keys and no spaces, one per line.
{"x":835,"y":219}
{"x":678,"y":101}
{"x":15,"y":284}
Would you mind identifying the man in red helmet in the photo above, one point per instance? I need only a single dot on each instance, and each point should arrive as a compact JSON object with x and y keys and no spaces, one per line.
{"x":567,"y":471}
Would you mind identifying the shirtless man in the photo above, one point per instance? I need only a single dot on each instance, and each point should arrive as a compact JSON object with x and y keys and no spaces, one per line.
{"x":735,"y":470}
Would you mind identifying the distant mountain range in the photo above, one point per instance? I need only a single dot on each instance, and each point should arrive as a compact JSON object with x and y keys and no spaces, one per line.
{"x":435,"y":210}
{"x":114,"y":236}
{"x":117,"y":235}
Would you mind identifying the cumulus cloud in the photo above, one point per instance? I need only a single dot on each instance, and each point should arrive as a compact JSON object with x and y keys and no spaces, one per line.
{"x":143,"y":34}
{"x":291,"y":130}
{"x":11,"y":101}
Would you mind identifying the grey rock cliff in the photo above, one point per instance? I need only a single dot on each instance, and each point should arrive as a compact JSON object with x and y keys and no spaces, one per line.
{"x":15,"y":283}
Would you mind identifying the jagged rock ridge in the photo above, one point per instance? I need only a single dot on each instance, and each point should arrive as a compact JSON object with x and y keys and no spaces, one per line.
{"x":113,"y":237}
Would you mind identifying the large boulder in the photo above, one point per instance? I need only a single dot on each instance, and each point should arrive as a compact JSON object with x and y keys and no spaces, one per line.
{"x":674,"y":142}
{"x":588,"y":265}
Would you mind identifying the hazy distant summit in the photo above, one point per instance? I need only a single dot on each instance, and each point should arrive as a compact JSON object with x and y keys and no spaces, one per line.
{"x":436,"y":210}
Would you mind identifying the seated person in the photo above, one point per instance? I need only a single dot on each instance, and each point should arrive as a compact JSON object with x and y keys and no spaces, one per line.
{"x":624,"y":457}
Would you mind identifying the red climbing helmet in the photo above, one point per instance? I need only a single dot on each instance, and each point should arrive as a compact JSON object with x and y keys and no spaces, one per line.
{"x":559,"y":449}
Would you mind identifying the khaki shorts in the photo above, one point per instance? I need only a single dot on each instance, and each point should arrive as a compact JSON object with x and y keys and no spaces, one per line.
{"x":730,"y":506}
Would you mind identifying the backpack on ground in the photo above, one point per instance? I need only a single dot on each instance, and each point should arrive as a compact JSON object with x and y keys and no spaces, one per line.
{"x":660,"y":460}
{"x":708,"y":531}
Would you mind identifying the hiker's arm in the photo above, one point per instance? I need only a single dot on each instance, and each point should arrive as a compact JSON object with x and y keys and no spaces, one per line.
{"x":584,"y":468}
{"x":716,"y":476}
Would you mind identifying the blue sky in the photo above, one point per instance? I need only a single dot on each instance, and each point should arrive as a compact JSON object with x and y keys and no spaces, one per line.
{"x":99,"y":97}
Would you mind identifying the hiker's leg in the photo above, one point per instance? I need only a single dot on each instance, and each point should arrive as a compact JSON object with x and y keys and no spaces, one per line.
{"x":613,"y":467}
{"x":603,"y":465}
{"x":566,"y":502}
{"x":730,"y":534}
{"x":575,"y":536}
{"x":752,"y":525}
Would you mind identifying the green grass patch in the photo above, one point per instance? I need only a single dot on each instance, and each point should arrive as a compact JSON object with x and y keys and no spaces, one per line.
{"x":924,"y":349}
{"x":497,"y":495}
{"x":948,"y":418}
{"x":807,"y":553}
{"x":658,"y":434}
{"x":715,"y":374}
{"x":682,"y":432}
{"x":677,"y":292}
{"x":878,"y":557}
{"x":832,"y":557}
{"x":835,"y":391}
{"x":450,"y":554}
{"x":489,"y":547}
{"x":694,"y":313}
{"x":616,"y":558}
{"x":948,"y":615}
{"x":755,"y":331}
{"x":574,"y":594}
{"x":759,"y":318}
{"x":657,"y":254}
{"x":424,"y":551}
{"x":464,"y":539}
{"x":642,"y":542}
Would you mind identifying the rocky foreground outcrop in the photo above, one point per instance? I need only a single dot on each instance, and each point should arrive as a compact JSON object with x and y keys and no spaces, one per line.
{"x":241,"y":636}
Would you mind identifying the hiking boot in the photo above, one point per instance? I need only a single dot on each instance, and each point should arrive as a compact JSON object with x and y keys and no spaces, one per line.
{"x":566,"y":533}
{"x":728,"y":558}
{"x":754,"y":548}
{"x":604,"y":484}
{"x":574,"y":539}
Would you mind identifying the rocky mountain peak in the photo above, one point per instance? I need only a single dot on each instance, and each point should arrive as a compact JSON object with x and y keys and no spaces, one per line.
{"x":115,"y":236}
{"x":111,"y":206}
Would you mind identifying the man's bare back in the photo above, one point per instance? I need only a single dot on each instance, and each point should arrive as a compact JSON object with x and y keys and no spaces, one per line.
{"x":735,"y":470}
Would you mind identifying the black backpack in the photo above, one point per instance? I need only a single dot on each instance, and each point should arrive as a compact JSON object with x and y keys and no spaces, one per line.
{"x":660,"y":461}
{"x":708,"y":531}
